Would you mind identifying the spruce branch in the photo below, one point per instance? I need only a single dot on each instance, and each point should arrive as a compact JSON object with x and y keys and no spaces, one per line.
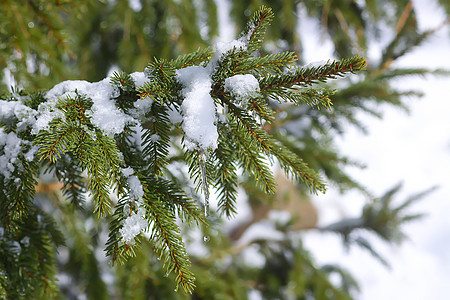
{"x":156,"y":139}
{"x":67,"y":171}
{"x":95,"y":152}
{"x":311,"y":96}
{"x":259,"y":107}
{"x":169,"y":244}
{"x":226,"y":177}
{"x":268,"y":64}
{"x":312,"y":75}
{"x":406,"y":38}
{"x":97,"y":186}
{"x":403,"y":72}
{"x":161,"y":70}
{"x":381,"y":217}
{"x":161,"y":85}
{"x":174,"y":198}
{"x":127,"y":87}
{"x":124,"y":81}
{"x":256,"y":28}
{"x":17,"y":195}
{"x":116,"y":249}
{"x":201,"y":56}
{"x":251,"y":158}
{"x":135,"y":159}
{"x":154,"y":91}
{"x":293,"y":165}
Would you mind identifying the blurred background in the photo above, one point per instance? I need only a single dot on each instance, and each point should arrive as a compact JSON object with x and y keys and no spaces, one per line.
{"x":412,"y":149}
{"x":380,"y":232}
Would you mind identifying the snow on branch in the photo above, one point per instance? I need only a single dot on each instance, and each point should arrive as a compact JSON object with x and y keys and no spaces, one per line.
{"x":209,"y":111}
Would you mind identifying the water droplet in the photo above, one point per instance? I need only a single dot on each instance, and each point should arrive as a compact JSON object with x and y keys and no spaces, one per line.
{"x":206,"y":238}
{"x":204,"y":179}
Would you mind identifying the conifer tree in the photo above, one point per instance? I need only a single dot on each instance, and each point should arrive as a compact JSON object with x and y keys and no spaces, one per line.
{"x":46,"y":42}
{"x":137,"y":150}
{"x":119,"y":132}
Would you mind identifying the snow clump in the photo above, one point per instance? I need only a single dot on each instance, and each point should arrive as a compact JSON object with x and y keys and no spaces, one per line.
{"x":16,"y":109}
{"x":136,"y":190}
{"x":136,"y":222}
{"x":133,"y":226}
{"x":198,"y":108}
{"x":242,"y":86}
{"x":104,"y":113}
{"x":10,"y":149}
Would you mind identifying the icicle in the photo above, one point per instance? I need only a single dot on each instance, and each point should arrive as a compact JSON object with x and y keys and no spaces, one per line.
{"x":204,"y":180}
{"x":205,"y":188}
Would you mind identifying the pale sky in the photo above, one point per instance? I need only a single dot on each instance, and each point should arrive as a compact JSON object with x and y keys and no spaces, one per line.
{"x":413,"y":149}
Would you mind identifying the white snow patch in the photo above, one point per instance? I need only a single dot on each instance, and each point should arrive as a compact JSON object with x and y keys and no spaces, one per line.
{"x":198,"y":108}
{"x":174,"y":116}
{"x":133,"y":225}
{"x":242,"y":86}
{"x":29,"y":156}
{"x":222,"y":118}
{"x":127,"y":171}
{"x":24,"y":114}
{"x":67,"y":87}
{"x":142,"y":106}
{"x":136,"y":190}
{"x":136,"y":136}
{"x":104,"y":114}
{"x":10,"y":144}
{"x":139,"y":78}
{"x":154,"y":138}
{"x":46,"y":113}
{"x":11,"y":147}
{"x":222,"y":47}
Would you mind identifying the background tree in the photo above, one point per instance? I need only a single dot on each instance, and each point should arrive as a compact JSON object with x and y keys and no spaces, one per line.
{"x":46,"y":42}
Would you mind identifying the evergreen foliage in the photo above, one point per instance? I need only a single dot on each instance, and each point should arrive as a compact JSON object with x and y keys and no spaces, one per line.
{"x":46,"y":42}
{"x":73,"y":138}
{"x":139,"y":168}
